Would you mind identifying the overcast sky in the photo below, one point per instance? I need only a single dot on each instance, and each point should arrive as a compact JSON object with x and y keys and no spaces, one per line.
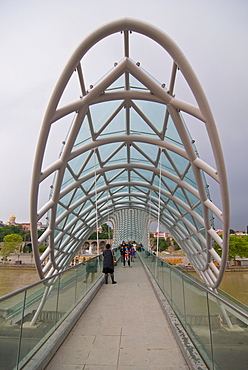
{"x":39,"y":36}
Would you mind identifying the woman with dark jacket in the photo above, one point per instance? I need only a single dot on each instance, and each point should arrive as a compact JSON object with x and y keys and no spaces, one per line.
{"x":108,"y":264}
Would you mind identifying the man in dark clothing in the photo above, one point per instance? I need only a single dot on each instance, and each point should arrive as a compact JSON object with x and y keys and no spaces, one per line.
{"x":108,"y":264}
{"x":122,"y":250}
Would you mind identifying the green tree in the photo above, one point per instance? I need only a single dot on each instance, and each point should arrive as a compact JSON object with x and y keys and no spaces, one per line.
{"x":176,"y":246}
{"x":243,"y":250}
{"x":27,"y":248}
{"x":10,"y":229}
{"x":105,"y":234}
{"x":162,"y":244}
{"x":238,"y":246}
{"x":42,"y":248}
{"x":235,"y":246}
{"x":10,"y":245}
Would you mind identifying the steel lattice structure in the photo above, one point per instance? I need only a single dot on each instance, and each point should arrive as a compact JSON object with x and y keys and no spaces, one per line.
{"x":129,"y":157}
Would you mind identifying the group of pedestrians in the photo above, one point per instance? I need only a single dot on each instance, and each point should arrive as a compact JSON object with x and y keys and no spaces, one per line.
{"x":128,"y":251}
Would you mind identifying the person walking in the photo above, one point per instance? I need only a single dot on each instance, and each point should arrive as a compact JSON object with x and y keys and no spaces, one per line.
{"x":108,"y":264}
{"x":131,"y":250}
{"x":127,"y":256}
{"x":122,"y":251}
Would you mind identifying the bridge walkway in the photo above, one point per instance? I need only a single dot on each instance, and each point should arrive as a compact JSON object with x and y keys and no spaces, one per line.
{"x":123,"y":328}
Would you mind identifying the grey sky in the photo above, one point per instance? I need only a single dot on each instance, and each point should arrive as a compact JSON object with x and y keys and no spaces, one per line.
{"x":39,"y":36}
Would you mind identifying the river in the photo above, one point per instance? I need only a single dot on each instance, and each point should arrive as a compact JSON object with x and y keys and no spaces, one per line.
{"x":234,"y":283}
{"x":15,"y":278}
{"x":12,"y":279}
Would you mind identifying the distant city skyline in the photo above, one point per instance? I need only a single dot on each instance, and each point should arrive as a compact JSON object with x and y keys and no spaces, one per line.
{"x":153,"y":225}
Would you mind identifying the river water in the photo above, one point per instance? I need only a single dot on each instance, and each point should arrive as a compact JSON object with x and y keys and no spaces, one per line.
{"x":15,"y":278}
{"x":234,"y":283}
{"x":12,"y":279}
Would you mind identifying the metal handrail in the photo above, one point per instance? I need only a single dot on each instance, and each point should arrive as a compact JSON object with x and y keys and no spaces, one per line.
{"x":217,"y":295}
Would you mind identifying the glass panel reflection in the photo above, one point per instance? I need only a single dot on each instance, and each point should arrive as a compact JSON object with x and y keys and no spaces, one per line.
{"x":40,"y":316}
{"x":217,"y":326}
{"x":197,"y":319}
{"x":11,"y":310}
{"x":229,"y":336}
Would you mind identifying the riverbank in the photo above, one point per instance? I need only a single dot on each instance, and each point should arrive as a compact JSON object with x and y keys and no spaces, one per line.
{"x":228,"y":268}
{"x":16,"y":266}
{"x":22,"y":260}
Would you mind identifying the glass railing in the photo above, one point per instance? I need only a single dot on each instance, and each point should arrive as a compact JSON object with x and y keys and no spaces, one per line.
{"x":217,"y":326}
{"x":29,"y":316}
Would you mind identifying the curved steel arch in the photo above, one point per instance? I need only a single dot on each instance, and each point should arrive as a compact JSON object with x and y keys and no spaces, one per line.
{"x":128,"y":157}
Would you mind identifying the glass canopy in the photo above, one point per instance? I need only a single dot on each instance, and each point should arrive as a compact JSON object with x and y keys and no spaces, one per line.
{"x":128,"y":158}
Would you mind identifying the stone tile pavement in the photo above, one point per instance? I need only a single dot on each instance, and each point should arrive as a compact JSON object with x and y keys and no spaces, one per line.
{"x":122,"y":328}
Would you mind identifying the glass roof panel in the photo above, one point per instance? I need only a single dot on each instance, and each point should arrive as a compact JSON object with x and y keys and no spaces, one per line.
{"x":84,"y":134}
{"x":198,"y":210}
{"x":172,"y":134}
{"x":117,"y":84}
{"x":189,"y":178}
{"x":78,"y":209}
{"x":111,"y":174}
{"x":135,"y":84}
{"x":198,"y":224}
{"x":149,"y":149}
{"x":122,"y":177}
{"x":172,"y":205}
{"x":179,"y":162}
{"x":142,"y":188}
{"x":167,"y":165}
{"x":68,"y":197}
{"x":86,"y":205}
{"x":155,"y":112}
{"x":60,"y":210}
{"x":106,"y":150}
{"x":88,"y":183}
{"x":170,"y":183}
{"x":77,"y":162}
{"x":79,"y":194}
{"x":67,"y":179}
{"x":145,"y":173}
{"x":101,"y":112}
{"x":90,"y":166}
{"x":189,"y":218}
{"x":136,"y":156}
{"x":61,"y":225}
{"x":139,"y":125}
{"x":193,"y":200}
{"x":120,"y":156}
{"x":101,"y":182}
{"x":116,"y":126}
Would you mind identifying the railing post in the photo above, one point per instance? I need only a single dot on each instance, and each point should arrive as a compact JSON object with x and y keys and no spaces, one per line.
{"x":20,"y":335}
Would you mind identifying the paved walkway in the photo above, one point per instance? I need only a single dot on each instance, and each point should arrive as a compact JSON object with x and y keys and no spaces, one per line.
{"x":123,"y":328}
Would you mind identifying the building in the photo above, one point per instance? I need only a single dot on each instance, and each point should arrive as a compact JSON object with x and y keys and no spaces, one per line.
{"x":161,"y":234}
{"x":25,"y":225}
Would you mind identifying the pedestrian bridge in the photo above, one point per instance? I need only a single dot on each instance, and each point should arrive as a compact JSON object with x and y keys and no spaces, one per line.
{"x":129,"y":156}
{"x":131,"y":105}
